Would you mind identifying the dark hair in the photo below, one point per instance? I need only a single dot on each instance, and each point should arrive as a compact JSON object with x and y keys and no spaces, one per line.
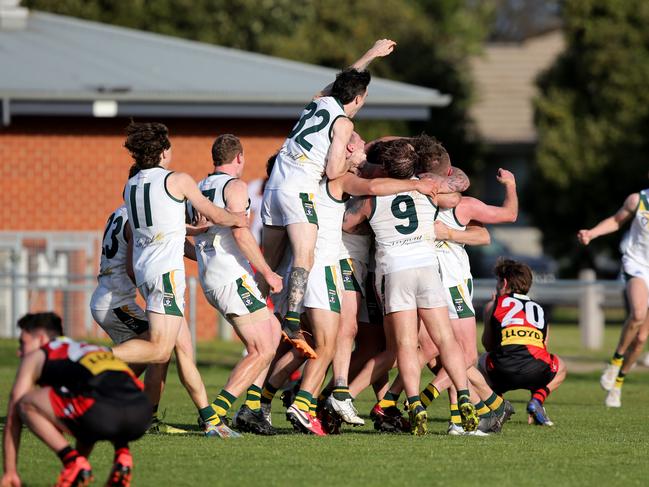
{"x":48,"y":322}
{"x":146,"y":142}
{"x":431,"y":154}
{"x":373,"y":152}
{"x":270,"y":163}
{"x":518,"y":275}
{"x":349,"y":84}
{"x":398,"y":158}
{"x":225,"y":148}
{"x":133,"y":170}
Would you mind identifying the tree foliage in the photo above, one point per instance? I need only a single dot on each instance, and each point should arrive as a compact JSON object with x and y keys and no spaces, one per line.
{"x":592,"y":117}
{"x":434,"y":39}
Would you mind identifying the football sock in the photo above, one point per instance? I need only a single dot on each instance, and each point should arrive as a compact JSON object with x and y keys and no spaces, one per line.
{"x":208,"y":415}
{"x":389,"y":400}
{"x":482,"y":409}
{"x":67,"y":455}
{"x":429,"y":394}
{"x":268,"y":393}
{"x":413,"y":402}
{"x":223,"y":402}
{"x":341,"y":393}
{"x":119,"y":451}
{"x":253,"y":398}
{"x":619,"y":380}
{"x":495,"y":403}
{"x":618,"y":359}
{"x":303,"y":401}
{"x":541,"y":394}
{"x":291,"y":321}
{"x":463,"y":396}
{"x":313,"y":407}
{"x":456,"y":418}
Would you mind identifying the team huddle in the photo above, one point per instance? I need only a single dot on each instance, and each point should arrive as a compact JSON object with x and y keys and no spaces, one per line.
{"x":362,"y":269}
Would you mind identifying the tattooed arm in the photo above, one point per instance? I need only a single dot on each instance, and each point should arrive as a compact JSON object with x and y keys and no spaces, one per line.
{"x":358,"y":210}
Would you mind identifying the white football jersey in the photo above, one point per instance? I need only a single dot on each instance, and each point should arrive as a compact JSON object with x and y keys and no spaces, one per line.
{"x":356,"y":246}
{"x":301,"y":161}
{"x":158,"y":223}
{"x":220,"y":261}
{"x":330,"y":223}
{"x":114,"y":287}
{"x":637,"y":246}
{"x":453,"y":259}
{"x":404,"y":229}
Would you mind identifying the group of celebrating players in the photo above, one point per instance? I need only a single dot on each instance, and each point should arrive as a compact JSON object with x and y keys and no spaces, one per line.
{"x":363,"y":260}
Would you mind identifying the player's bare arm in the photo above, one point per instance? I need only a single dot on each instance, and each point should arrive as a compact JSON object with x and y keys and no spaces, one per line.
{"x":489,"y":341}
{"x":474,"y":234}
{"x":356,"y":213}
{"x":337,"y":162}
{"x":28,"y":373}
{"x":381,"y":48}
{"x":456,"y":182}
{"x":474,"y":209}
{"x":356,"y":186}
{"x":183,"y":186}
{"x":190,"y":250}
{"x":612,"y":223}
{"x":236,"y":198}
{"x":448,"y":200}
{"x":128,"y":236}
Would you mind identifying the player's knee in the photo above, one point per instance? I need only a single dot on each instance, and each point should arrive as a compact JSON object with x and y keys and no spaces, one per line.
{"x":25,"y":407}
{"x":638,"y":315}
{"x":161,"y":356}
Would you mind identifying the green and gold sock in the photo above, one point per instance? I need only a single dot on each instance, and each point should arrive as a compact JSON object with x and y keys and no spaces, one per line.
{"x":253,"y":398}
{"x":303,"y":401}
{"x":312,"y":408}
{"x":389,"y":400}
{"x":618,"y":359}
{"x":495,"y":403}
{"x":291,"y":321}
{"x":154,"y":413}
{"x":413,"y":402}
{"x":341,"y":393}
{"x":429,"y":394}
{"x":463,"y":396}
{"x":619,"y":380}
{"x":223,"y":402}
{"x":456,"y":418}
{"x":482,"y":409}
{"x":268,"y":393}
{"x":208,"y":415}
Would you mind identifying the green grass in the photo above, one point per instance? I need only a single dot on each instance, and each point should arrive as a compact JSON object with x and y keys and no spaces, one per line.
{"x":590,"y":445}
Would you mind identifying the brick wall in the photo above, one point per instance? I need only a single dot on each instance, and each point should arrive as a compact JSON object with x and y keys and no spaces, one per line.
{"x":68,"y":173}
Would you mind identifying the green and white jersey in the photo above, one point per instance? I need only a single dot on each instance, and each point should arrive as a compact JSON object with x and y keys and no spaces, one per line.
{"x":158,"y":223}
{"x":637,"y":246}
{"x":220,"y":261}
{"x":355,"y":246}
{"x":114,"y":287}
{"x":330,"y":224}
{"x":404,"y":229}
{"x":453,"y":259}
{"x":301,"y":161}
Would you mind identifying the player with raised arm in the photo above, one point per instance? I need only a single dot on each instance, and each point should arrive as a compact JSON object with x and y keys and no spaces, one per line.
{"x":635,"y":269}
{"x":315,"y":147}
{"x":155,"y":199}
{"x":224,"y":259}
{"x":515,"y":337}
{"x":65,"y":386}
{"x":410,"y":284}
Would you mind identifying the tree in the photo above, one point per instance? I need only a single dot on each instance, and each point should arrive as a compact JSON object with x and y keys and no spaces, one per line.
{"x":592,"y":117}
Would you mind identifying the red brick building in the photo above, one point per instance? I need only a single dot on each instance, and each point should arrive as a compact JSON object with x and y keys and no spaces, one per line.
{"x":68,"y":89}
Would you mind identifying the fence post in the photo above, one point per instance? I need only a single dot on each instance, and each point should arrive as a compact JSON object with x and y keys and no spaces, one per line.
{"x":192,"y":313}
{"x":591,"y":315}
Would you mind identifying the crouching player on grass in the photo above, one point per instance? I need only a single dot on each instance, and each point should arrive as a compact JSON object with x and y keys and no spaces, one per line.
{"x":82,"y":390}
{"x":515,"y":337}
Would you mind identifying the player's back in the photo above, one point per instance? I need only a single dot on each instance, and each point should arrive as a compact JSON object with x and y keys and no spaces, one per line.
{"x":115,"y":287}
{"x":219,"y":259}
{"x":87,"y":369}
{"x":520,"y":324}
{"x":330,"y":221}
{"x":301,"y":161}
{"x":637,"y":247}
{"x":404,"y":229}
{"x":157,"y":220}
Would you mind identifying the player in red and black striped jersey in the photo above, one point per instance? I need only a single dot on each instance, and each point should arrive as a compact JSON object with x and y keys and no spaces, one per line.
{"x":515,"y":337}
{"x":84,"y":391}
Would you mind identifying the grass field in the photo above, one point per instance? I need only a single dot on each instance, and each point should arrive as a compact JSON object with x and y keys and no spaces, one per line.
{"x":589,"y":445}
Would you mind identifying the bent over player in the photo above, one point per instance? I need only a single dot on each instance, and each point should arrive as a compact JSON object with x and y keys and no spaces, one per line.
{"x":84,"y":391}
{"x":515,"y":337}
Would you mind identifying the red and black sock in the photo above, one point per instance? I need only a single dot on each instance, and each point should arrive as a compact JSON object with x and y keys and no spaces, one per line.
{"x":541,"y":394}
{"x":67,"y":455}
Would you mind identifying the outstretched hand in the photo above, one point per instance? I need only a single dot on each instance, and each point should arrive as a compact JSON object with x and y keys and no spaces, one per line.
{"x":382,"y":48}
{"x":584,"y":236}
